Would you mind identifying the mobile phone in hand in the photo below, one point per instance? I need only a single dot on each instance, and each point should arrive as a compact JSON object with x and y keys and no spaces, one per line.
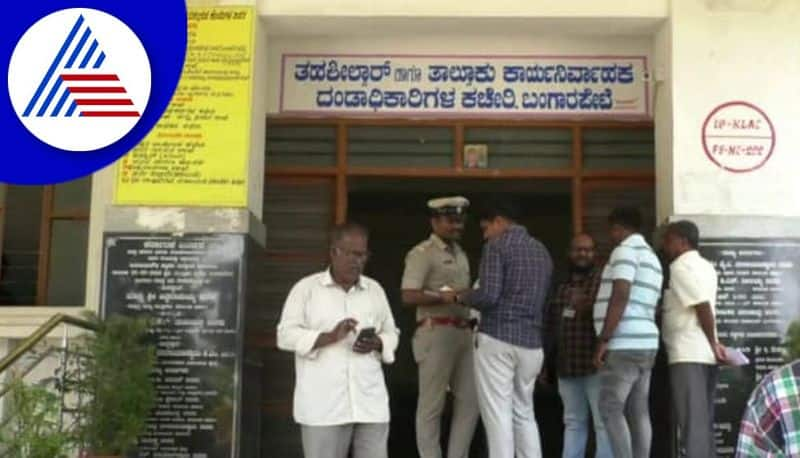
{"x":366,"y":334}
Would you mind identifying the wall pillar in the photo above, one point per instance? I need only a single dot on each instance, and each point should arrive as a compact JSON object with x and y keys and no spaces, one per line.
{"x":726,"y":142}
{"x":189,"y":267}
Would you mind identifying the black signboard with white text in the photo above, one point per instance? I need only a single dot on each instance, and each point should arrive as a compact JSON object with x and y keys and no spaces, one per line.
{"x":191,"y":287}
{"x":759,"y":293}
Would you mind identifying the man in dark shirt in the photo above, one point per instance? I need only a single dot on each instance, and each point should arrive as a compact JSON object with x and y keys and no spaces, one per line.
{"x":514,"y":279}
{"x":571,"y":342}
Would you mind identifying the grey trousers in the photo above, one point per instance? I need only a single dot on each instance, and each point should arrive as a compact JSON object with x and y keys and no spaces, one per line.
{"x":368,"y":440}
{"x":693,"y":388}
{"x":624,"y":405}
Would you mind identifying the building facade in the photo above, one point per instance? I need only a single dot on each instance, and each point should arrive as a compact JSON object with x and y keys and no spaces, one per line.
{"x":361,"y":110}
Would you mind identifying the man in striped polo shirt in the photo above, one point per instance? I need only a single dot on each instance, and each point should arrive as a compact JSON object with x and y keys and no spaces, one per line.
{"x":624,"y":317}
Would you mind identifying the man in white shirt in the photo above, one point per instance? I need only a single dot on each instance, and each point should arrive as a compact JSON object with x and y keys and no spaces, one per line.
{"x":339,"y":325}
{"x":690,"y":335}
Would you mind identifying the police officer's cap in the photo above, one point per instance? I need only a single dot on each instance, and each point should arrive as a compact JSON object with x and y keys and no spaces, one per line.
{"x":456,"y":205}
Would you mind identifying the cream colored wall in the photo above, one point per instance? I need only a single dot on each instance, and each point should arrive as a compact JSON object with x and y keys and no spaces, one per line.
{"x":735,"y":50}
{"x":220,"y":2}
{"x":663,"y":119}
{"x":467,"y":8}
{"x":102,"y":196}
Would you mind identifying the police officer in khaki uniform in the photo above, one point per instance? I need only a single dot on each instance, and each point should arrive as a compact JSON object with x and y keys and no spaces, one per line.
{"x":435,"y":271}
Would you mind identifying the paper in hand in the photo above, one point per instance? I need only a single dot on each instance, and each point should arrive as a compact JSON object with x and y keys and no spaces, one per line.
{"x":735,"y":357}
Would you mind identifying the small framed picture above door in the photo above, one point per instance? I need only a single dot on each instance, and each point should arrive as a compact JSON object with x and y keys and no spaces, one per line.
{"x":476,"y":156}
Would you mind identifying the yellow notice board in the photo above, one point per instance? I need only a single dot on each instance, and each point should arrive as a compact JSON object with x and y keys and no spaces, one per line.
{"x":198,"y":153}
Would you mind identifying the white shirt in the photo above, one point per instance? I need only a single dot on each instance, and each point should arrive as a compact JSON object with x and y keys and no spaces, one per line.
{"x":333,"y":384}
{"x":693,"y":280}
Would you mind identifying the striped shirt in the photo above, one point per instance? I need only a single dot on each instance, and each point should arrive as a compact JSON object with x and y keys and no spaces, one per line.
{"x":633,"y":261}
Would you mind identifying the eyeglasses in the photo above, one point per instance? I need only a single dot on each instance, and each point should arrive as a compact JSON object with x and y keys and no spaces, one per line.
{"x":360,"y":255}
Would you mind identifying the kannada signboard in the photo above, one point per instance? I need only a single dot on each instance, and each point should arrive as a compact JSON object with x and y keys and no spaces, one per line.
{"x":485,"y":86}
{"x":757,"y":299}
{"x":191,"y":287}
{"x":198,"y":153}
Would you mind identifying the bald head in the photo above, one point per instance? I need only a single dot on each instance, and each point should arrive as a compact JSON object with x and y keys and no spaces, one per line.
{"x":582,"y":240}
{"x":581,"y":252}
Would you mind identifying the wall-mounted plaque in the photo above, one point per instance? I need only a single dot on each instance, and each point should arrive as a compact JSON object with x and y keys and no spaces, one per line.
{"x":191,"y":287}
{"x":759,"y":289}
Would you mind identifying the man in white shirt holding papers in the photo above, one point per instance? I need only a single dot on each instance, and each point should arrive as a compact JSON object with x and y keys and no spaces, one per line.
{"x":339,"y":325}
{"x":690,"y":335}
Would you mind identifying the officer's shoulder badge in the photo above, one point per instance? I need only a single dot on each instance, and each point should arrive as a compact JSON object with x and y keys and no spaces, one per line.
{"x":422,"y":246}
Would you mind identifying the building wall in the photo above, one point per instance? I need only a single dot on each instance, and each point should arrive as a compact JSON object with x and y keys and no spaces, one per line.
{"x":701,"y":52}
{"x":735,"y":50}
{"x":468,"y":8}
{"x":663,"y":116}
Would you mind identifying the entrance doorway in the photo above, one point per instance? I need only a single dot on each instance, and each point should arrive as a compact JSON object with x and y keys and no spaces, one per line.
{"x":395,"y":213}
{"x":567,"y":176}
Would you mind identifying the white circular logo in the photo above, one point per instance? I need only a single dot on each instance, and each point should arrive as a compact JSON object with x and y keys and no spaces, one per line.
{"x":79,"y":79}
{"x":738,"y":136}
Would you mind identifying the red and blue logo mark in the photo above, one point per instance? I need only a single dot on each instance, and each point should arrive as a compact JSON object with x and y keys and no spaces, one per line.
{"x":79,"y":77}
{"x":85,"y":85}
{"x":87,"y":96}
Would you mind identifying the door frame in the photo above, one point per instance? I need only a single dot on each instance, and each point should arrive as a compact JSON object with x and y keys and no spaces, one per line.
{"x":581,"y":178}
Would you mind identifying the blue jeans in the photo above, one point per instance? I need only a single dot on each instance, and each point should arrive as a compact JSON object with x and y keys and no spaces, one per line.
{"x":580,"y":395}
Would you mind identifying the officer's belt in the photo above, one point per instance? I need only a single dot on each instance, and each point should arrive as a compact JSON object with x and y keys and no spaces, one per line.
{"x":432,"y":321}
